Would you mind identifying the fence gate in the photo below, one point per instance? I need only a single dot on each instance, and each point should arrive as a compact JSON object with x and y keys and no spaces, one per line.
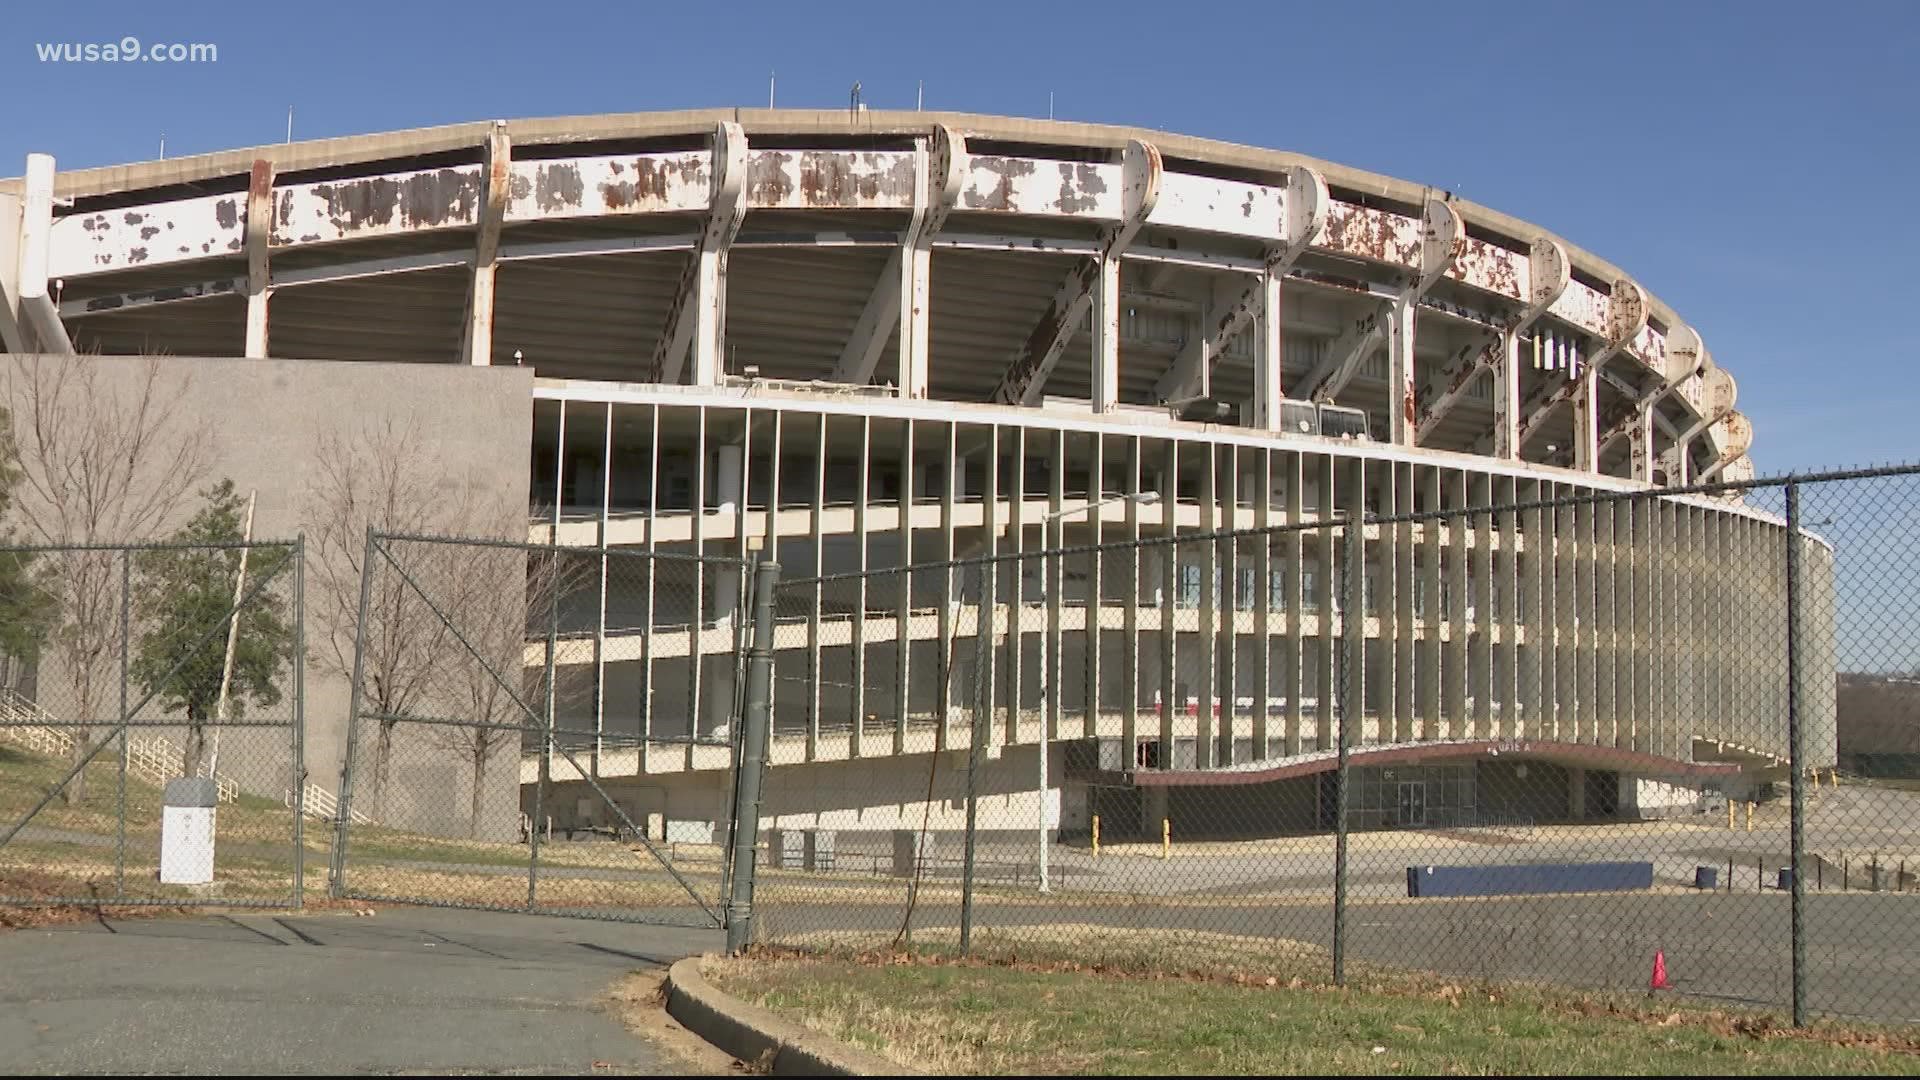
{"x":541,"y":728}
{"x":150,"y":725}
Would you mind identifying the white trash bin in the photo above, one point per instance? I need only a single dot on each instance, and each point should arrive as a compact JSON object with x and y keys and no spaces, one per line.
{"x":186,"y":831}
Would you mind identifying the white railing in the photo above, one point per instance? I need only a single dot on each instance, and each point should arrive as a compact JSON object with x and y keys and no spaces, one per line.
{"x":320,"y":803}
{"x":152,"y":758}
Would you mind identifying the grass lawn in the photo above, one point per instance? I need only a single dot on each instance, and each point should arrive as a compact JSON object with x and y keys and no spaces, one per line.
{"x":949,"y":1017}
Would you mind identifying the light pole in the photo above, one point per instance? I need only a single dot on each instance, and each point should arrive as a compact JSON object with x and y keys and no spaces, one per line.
{"x":1142,"y":498}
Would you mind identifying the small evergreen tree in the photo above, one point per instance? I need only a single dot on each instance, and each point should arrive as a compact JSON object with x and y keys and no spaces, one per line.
{"x":183,"y":597}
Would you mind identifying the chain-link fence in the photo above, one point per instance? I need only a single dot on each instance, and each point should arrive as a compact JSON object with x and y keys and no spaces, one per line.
{"x":1489,"y":731}
{"x":150,"y":725}
{"x":541,"y":728}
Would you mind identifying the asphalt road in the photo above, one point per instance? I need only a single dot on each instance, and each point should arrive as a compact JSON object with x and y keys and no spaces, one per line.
{"x":406,"y":990}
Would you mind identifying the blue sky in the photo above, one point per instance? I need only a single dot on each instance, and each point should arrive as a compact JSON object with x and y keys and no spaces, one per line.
{"x":1750,"y":164}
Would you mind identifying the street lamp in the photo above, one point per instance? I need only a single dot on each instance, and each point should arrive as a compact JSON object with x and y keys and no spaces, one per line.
{"x":1141,"y":498}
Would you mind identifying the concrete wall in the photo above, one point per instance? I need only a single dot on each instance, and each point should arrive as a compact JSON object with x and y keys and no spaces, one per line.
{"x":265,"y":421}
{"x":1646,"y":797}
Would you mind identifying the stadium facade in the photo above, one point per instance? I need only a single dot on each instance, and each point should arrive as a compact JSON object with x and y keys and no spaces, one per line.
{"x":858,"y":340}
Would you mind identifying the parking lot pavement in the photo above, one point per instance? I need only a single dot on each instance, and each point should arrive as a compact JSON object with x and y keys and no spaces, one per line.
{"x":404,"y":990}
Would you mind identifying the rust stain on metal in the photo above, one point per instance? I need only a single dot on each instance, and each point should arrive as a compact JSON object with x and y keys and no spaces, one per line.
{"x":428,"y":199}
{"x":651,"y":181}
{"x":1370,"y":234}
{"x":1489,"y":267}
{"x":830,"y":179}
{"x":1080,"y":188}
{"x":226,"y":212}
{"x":1000,"y":196}
{"x":557,"y":186}
{"x":767,"y":180}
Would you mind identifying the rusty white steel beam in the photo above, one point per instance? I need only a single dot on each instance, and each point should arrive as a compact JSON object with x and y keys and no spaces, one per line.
{"x":1730,"y":436}
{"x":1441,"y":236}
{"x":1236,"y":302}
{"x":674,"y":182}
{"x":1549,"y":271}
{"x":38,"y":317}
{"x":1040,"y":187}
{"x":533,"y":250}
{"x":1026,"y":376}
{"x":832,"y":180}
{"x":497,"y":165}
{"x":937,"y":172}
{"x":363,"y":207}
{"x":696,"y":319}
{"x":1443,"y":239}
{"x":36,"y":226}
{"x":1719,"y":395}
{"x":139,"y":298}
{"x":1041,"y":245}
{"x":398,"y":264}
{"x":180,"y":230}
{"x":1626,"y":318}
{"x":258,"y":237}
{"x":1636,"y":417}
{"x":1344,"y":354}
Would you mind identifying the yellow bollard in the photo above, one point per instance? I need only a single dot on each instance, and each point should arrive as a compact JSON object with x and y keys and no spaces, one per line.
{"x":1096,"y":838}
{"x":1729,"y":814}
{"x":1166,"y":839}
{"x":1749,"y":817}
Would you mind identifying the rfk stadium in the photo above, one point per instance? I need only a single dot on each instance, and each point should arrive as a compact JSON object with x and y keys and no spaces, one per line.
{"x":857,"y":340}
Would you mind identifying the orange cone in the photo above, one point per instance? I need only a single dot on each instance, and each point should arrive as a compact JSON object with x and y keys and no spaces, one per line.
{"x":1659,"y":980}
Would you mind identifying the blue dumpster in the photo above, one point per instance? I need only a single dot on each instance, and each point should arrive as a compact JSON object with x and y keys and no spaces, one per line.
{"x":1706,"y":877}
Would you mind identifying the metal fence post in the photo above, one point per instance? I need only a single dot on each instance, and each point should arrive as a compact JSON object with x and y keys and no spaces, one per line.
{"x":1796,"y":758}
{"x":343,"y":805}
{"x":756,"y":718}
{"x":534,"y":823}
{"x":977,"y":734}
{"x":298,"y":769}
{"x":1352,"y":699}
{"x":126,"y":646}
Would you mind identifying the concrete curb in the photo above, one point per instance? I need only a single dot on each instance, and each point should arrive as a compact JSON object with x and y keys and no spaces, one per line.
{"x":756,"y":1035}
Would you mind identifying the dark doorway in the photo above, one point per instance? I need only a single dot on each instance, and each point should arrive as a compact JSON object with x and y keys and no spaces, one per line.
{"x":1603,"y":794}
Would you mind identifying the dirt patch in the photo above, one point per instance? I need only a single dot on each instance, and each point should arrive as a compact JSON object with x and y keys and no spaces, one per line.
{"x":639,"y":1002}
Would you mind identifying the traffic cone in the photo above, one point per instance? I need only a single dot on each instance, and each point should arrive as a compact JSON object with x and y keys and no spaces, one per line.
{"x":1659,"y":980}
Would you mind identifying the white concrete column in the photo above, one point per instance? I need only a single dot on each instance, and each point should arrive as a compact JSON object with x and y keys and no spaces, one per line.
{"x":1401,"y":399}
{"x":1106,"y":334}
{"x":259,"y":231}
{"x":1269,"y":355}
{"x":729,"y":462}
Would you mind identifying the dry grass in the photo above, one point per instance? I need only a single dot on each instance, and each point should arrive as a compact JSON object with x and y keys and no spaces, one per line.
{"x":1061,"y":1017}
{"x":1173,"y":953}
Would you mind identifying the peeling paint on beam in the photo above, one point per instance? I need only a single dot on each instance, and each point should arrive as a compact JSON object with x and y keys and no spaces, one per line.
{"x":211,"y":226}
{"x":1043,"y":187}
{"x":1491,"y":268}
{"x":1583,"y":307}
{"x":370,"y":206}
{"x":830,"y":180}
{"x":619,"y":184}
{"x":1375,"y":235}
{"x":1228,"y":207}
{"x":1026,"y":376}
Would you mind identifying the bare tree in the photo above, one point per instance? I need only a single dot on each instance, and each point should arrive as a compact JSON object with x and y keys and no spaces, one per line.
{"x":100,"y":460}
{"x":500,"y":600}
{"x":378,"y":474}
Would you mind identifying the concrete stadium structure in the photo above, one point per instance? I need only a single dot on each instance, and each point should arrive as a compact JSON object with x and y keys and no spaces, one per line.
{"x":858,"y":340}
